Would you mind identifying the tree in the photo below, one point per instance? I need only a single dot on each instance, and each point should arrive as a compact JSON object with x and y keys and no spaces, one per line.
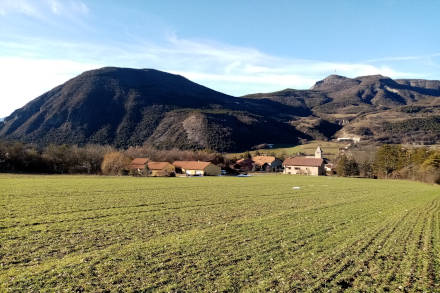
{"x":390,"y":158}
{"x":419,"y":155}
{"x":366,"y":169}
{"x":114,"y":163}
{"x":432,"y":161}
{"x":347,"y":166}
{"x":58,"y":158}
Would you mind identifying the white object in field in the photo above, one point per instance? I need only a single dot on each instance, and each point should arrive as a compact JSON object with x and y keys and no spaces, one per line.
{"x":296,"y":187}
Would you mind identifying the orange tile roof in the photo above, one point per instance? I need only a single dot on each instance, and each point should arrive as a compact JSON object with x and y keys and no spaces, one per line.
{"x":158,"y":165}
{"x":303,"y":161}
{"x":138,"y":163}
{"x":261,"y":160}
{"x":191,"y":165}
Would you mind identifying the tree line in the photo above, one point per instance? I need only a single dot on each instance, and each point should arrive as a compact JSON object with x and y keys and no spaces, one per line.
{"x":17,"y":157}
{"x":396,"y":162}
{"x":390,"y":161}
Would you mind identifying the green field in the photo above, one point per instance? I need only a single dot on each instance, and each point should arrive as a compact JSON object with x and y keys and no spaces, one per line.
{"x":78,"y":233}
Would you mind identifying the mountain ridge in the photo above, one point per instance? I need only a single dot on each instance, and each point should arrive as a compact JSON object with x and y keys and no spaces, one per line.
{"x":125,"y":107}
{"x":366,"y":106}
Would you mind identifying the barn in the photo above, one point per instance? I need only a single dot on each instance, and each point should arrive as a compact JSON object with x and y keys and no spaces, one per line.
{"x":244,"y":165}
{"x":267,"y":163}
{"x":197,"y":168}
{"x":161,"y":169}
{"x":138,"y":166}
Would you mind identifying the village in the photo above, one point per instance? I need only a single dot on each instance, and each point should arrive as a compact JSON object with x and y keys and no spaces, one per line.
{"x":316,"y":165}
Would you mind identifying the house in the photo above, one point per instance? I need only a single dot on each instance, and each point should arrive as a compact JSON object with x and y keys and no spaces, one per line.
{"x":138,"y":166}
{"x":259,"y":163}
{"x":354,"y":139}
{"x":161,"y":169}
{"x":329,"y":167}
{"x":197,"y":168}
{"x":267,"y":163}
{"x":244,"y":165}
{"x":305,"y":165}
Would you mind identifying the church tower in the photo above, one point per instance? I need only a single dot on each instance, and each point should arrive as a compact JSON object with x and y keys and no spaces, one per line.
{"x":318,"y":153}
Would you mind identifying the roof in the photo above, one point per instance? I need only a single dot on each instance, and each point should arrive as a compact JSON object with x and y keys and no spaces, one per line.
{"x":303,"y":161}
{"x":158,"y":165}
{"x":244,"y":162}
{"x":261,"y":160}
{"x":138,"y":163}
{"x":191,"y":165}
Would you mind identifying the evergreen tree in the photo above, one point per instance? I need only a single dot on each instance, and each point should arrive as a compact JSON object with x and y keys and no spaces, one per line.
{"x":390,"y":158}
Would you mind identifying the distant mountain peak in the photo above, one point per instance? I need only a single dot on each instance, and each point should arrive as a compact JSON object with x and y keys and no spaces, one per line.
{"x":330,"y":81}
{"x":335,"y":77}
{"x":125,"y":107}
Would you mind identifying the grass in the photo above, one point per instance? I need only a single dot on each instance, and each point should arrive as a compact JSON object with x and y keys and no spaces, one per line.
{"x":78,"y":233}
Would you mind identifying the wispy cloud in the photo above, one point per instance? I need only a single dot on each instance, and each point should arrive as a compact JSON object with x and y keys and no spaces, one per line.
{"x":18,"y":6}
{"x":40,"y":9}
{"x":212,"y":62}
{"x":231,"y":69}
{"x":403,"y":58}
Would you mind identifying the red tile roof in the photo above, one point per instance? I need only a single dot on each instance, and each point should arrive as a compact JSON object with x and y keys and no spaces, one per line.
{"x":158,"y":165}
{"x":191,"y":165}
{"x":138,"y":163}
{"x":303,"y":161}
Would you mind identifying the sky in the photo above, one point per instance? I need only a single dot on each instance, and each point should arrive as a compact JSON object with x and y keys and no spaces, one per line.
{"x":236,"y":47}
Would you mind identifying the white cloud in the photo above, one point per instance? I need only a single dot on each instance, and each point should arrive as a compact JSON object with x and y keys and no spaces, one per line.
{"x":209,"y":62}
{"x":24,"y":79}
{"x":230,"y":69}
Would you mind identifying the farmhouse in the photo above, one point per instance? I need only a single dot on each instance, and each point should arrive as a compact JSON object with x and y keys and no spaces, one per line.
{"x":161,"y":169}
{"x":267,"y":163}
{"x":259,"y":163}
{"x":244,"y":165}
{"x":197,"y":168}
{"x":305,"y":165}
{"x":138,"y":165}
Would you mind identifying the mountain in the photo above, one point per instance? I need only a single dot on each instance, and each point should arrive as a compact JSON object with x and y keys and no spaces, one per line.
{"x":374,"y":107}
{"x":124,"y":107}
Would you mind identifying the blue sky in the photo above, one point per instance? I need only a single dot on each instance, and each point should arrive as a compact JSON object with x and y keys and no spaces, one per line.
{"x":236,"y":47}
